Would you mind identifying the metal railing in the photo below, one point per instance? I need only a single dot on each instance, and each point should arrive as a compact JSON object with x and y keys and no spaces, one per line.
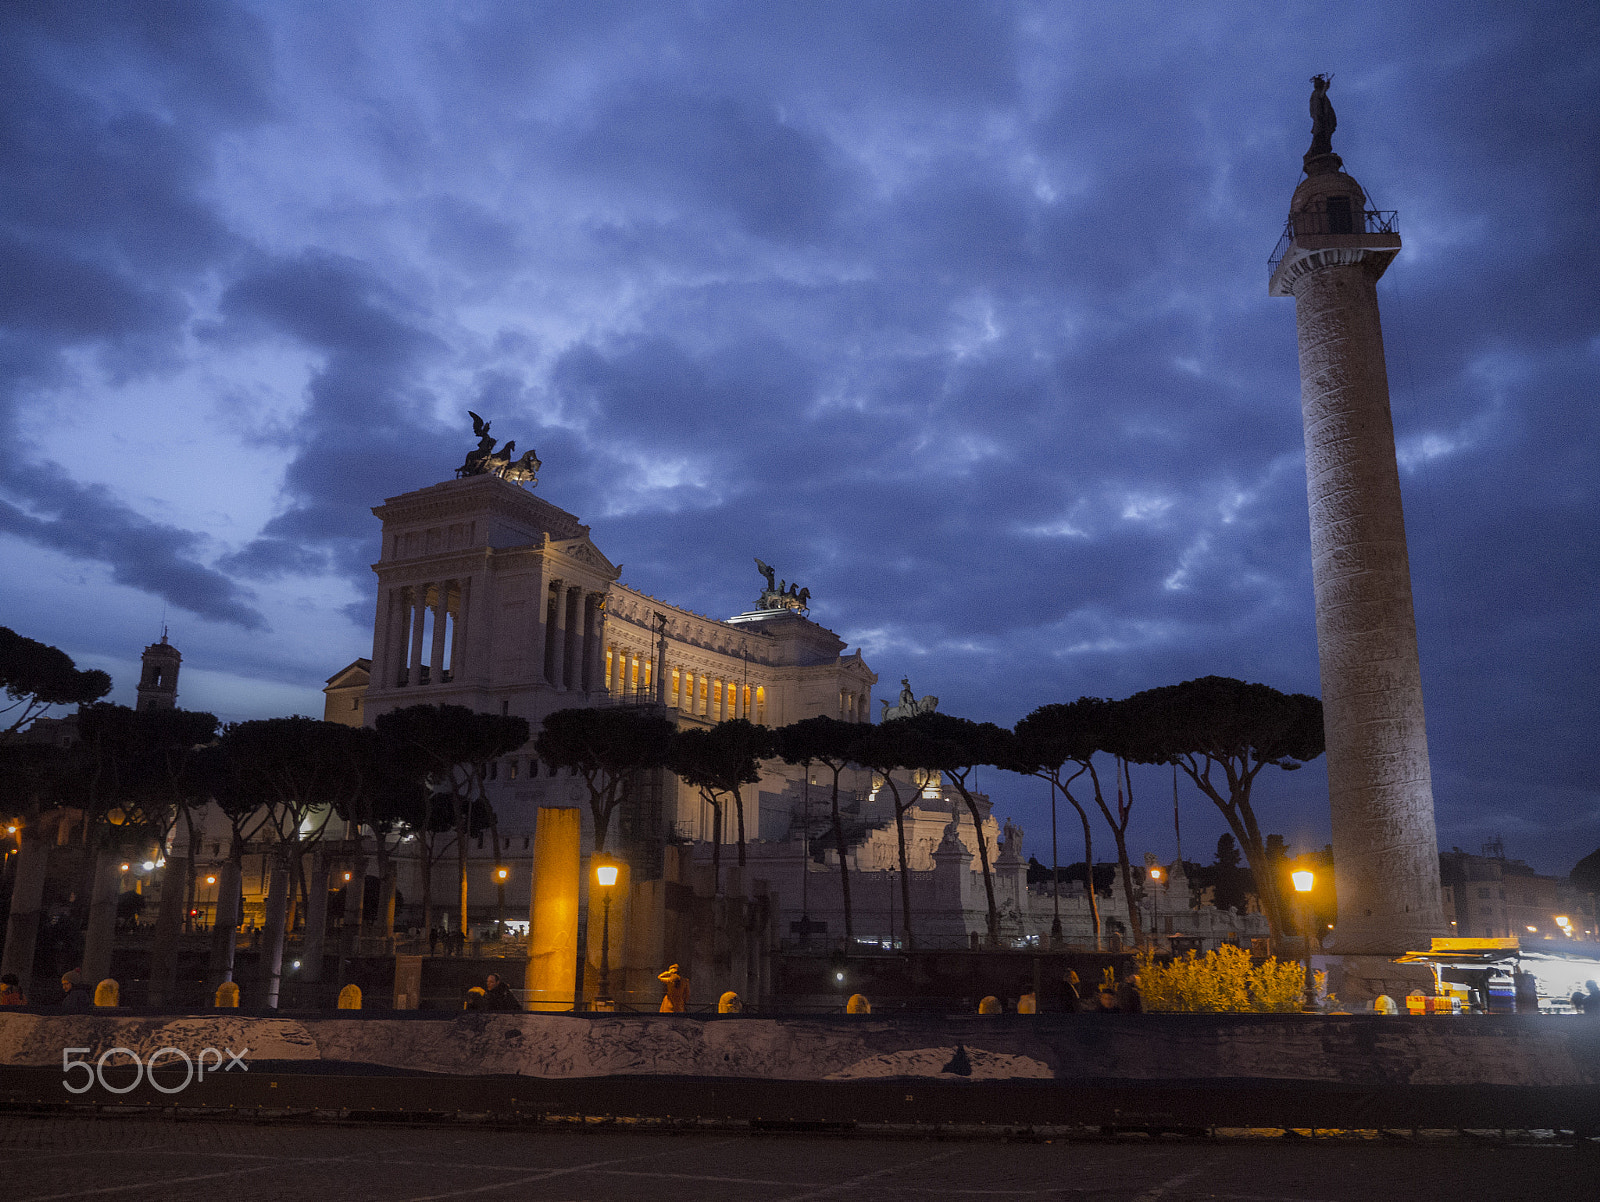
{"x":1313,"y":224}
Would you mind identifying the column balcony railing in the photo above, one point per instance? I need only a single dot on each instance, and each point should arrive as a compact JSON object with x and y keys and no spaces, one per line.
{"x":1323,"y":223}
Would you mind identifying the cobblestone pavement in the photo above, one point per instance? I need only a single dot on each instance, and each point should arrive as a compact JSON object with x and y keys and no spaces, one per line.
{"x":168,"y":1159}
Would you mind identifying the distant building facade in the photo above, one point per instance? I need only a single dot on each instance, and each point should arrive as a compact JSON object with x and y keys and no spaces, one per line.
{"x":1489,"y":896}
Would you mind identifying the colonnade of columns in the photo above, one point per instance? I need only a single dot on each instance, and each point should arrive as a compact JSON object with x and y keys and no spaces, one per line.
{"x":702,"y":693}
{"x":424,"y":636}
{"x":574,"y":641}
{"x":853,"y":706}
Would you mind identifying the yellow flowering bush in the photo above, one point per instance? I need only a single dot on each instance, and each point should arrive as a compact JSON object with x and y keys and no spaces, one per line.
{"x":1221,"y":982}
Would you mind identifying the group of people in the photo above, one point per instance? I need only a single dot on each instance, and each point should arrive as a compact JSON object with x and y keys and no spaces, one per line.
{"x":1122,"y":998}
{"x":76,"y":997}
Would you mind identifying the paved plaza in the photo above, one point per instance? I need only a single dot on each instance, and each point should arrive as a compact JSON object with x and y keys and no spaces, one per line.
{"x":160,"y":1158}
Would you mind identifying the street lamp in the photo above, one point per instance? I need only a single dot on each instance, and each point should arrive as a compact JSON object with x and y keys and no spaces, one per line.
{"x":500,"y":877}
{"x":606,"y":877}
{"x":1155,"y":905}
{"x":1303,"y":881}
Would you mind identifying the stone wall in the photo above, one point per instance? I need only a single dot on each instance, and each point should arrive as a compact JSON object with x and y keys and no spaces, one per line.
{"x":1354,"y":1051}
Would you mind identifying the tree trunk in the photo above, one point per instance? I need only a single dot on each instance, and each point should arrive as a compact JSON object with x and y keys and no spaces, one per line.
{"x":461,"y":878}
{"x":1261,"y":867}
{"x":102,"y":930}
{"x":738,"y":802}
{"x":425,"y":844}
{"x":844,"y":866}
{"x":225,"y":925}
{"x":1088,"y":864}
{"x":1127,"y":884}
{"x":175,"y":879}
{"x":316,"y":919}
{"x":716,"y":847}
{"x":905,"y":871}
{"x":272,"y":937}
{"x":27,"y":900}
{"x":386,"y":891}
{"x":988,"y":876}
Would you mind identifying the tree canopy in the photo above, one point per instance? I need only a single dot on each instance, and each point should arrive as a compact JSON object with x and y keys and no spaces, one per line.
{"x":608,"y":748}
{"x":1222,"y":732}
{"x":719,"y":761}
{"x":955,"y":748}
{"x":36,"y":676}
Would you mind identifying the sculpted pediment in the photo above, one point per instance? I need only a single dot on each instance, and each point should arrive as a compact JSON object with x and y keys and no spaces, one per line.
{"x":585,"y":552}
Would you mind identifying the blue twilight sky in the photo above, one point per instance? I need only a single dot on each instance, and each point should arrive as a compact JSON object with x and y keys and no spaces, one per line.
{"x":954,"y":312}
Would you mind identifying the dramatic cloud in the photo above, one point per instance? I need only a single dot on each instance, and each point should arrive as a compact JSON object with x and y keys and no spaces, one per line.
{"x":955,"y":312}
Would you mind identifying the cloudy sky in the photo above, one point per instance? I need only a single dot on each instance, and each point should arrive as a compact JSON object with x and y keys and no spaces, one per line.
{"x":954,"y":312}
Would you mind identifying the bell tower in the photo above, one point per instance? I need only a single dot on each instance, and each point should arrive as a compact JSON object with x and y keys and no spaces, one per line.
{"x":1385,"y":848}
{"x":158,"y":678}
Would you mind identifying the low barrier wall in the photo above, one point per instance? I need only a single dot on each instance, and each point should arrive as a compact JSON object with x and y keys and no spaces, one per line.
{"x":1357,"y":1051}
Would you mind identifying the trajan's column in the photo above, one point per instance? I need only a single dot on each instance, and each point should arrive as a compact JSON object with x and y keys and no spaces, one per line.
{"x":1385,"y":849}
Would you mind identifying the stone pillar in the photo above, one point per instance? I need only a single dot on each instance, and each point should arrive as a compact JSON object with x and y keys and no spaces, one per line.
{"x":551,"y":976}
{"x":556,"y":646}
{"x":539,"y":596}
{"x":419,"y":617}
{"x":441,"y":614}
{"x":101,"y":930}
{"x":1379,"y":783}
{"x":663,"y":680}
{"x":316,"y":919}
{"x":458,"y":636}
{"x":388,"y":640}
{"x":27,"y":903}
{"x":597,"y":644}
{"x":572,"y":606}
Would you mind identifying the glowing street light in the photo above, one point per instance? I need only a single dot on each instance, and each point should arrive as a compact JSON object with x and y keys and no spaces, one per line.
{"x":501,"y":875}
{"x":1303,"y":880}
{"x":1155,"y":905}
{"x":605,"y":876}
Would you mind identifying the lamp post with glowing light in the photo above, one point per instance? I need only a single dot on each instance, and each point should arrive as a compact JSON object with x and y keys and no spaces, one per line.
{"x":1303,"y":880}
{"x":501,"y":874}
{"x":1156,"y":876}
{"x":605,"y":876}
